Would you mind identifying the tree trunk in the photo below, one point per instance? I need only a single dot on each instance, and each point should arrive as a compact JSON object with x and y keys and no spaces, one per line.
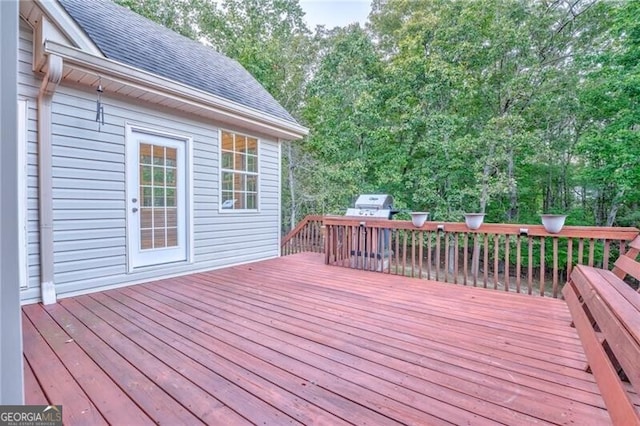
{"x":484,"y":194}
{"x":512,"y":213}
{"x":484,"y":200}
{"x":615,"y":205}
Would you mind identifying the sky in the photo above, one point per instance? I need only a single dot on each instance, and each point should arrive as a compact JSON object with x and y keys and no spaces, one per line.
{"x":335,"y":13}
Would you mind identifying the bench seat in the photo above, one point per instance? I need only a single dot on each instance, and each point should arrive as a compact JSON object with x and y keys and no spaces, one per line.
{"x":606,"y":313}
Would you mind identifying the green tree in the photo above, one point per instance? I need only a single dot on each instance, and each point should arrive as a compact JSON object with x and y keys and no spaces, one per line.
{"x":500,"y":69}
{"x":506,"y":106}
{"x":610,"y":143}
{"x":181,"y":16}
{"x":342,"y":109}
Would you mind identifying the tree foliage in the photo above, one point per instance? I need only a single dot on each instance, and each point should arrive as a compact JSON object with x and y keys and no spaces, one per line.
{"x":511,"y":107}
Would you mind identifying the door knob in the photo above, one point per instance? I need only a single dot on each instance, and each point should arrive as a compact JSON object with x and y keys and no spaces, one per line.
{"x":135,"y":209}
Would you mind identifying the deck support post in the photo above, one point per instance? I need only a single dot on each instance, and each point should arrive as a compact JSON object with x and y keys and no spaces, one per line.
{"x":11,"y":379}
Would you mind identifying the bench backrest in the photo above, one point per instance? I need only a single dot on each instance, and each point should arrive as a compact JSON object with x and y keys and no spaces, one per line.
{"x":627,"y":264}
{"x":606,"y":313}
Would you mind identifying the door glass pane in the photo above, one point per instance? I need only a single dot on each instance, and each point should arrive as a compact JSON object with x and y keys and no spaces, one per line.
{"x":159,"y":238}
{"x":158,"y":155}
{"x":146,"y":218}
{"x":172,"y":217}
{"x":172,"y":237}
{"x":146,"y":239}
{"x":158,"y":218}
{"x":145,"y":153}
{"x":158,"y":176}
{"x":145,"y":175}
{"x":171,"y":177}
{"x":146,"y":196}
{"x":171,"y":156}
{"x":158,"y":197}
{"x":171,"y":197}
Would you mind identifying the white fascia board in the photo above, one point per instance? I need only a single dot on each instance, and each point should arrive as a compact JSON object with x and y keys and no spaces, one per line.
{"x":68,"y":26}
{"x":135,"y":77}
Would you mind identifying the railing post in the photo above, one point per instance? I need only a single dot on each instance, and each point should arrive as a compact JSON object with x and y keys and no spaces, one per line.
{"x":327,"y":244}
{"x":397,"y":247}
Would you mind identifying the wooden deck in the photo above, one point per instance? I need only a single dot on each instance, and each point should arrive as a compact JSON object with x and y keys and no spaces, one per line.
{"x":291,"y":340}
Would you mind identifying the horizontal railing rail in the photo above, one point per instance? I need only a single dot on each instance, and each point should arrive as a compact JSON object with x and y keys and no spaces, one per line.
{"x":519,"y":258}
{"x":305,"y":237}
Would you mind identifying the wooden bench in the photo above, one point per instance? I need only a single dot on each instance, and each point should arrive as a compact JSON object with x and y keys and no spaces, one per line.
{"x":606,"y":313}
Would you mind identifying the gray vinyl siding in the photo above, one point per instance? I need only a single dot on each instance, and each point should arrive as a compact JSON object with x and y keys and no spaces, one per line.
{"x":28,"y":86}
{"x":90,"y":244}
{"x":89,"y":196}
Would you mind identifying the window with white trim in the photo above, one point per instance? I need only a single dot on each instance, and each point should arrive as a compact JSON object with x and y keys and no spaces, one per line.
{"x":238,"y":171}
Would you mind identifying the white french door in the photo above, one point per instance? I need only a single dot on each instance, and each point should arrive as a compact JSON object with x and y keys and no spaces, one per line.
{"x":156,"y":198}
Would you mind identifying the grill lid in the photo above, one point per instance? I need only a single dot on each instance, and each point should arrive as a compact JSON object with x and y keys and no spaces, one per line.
{"x":374,"y":201}
{"x":372,"y":206}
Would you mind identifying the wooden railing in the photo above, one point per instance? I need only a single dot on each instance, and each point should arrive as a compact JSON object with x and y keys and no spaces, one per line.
{"x":519,"y":258}
{"x":305,"y":237}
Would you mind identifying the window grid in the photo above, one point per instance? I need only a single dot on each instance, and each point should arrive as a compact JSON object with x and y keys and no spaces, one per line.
{"x":239,"y":172}
{"x":158,"y":192}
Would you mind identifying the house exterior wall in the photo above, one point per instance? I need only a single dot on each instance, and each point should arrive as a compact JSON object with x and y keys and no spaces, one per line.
{"x":89,"y":189}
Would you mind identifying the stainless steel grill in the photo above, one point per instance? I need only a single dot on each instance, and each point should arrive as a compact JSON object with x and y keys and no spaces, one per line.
{"x":370,"y":248}
{"x":378,"y":206}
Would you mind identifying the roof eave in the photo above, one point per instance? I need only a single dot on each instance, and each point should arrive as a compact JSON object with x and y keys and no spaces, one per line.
{"x":68,"y":26}
{"x":127,"y":74}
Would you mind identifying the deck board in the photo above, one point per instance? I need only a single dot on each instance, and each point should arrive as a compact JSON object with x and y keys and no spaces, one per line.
{"x":34,"y":395}
{"x":113,"y":404}
{"x":293,"y":341}
{"x":334,"y":359}
{"x":310,"y":329}
{"x":56,"y":382}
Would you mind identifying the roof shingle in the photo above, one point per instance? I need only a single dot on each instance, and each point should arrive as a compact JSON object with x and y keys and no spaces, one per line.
{"x":129,"y":38}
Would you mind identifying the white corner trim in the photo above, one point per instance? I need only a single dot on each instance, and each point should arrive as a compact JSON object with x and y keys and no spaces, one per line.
{"x":48,"y":292}
{"x":22,"y":193}
{"x":68,"y":26}
{"x":280,"y":197}
{"x":191,"y":244}
{"x":45,"y":177}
